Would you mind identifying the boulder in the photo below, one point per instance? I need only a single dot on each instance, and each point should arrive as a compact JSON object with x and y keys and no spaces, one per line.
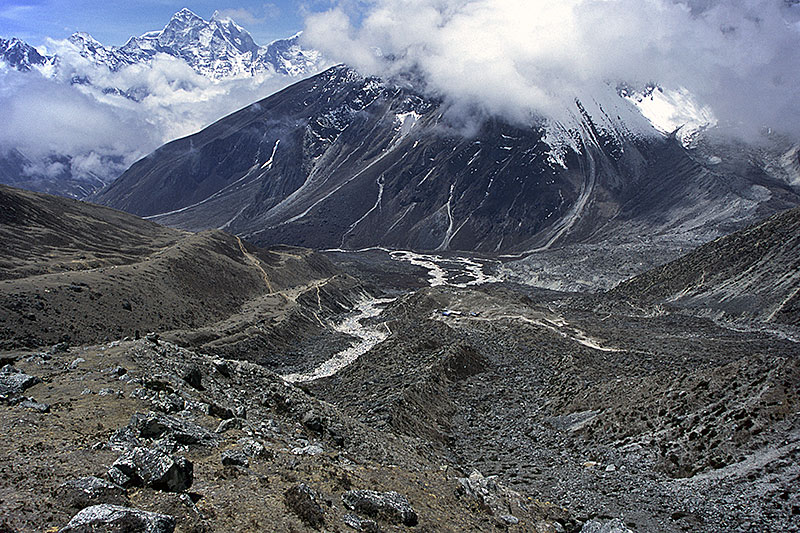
{"x":303,"y":501}
{"x":219,"y":411}
{"x":13,"y":382}
{"x":30,"y":403}
{"x":152,"y":468}
{"x":311,"y":449}
{"x":88,"y":491}
{"x":168,"y":402}
{"x":484,"y":490}
{"x":229,"y":424}
{"x":234,"y":457}
{"x":156,"y":426}
{"x":221,"y":366}
{"x":252,"y":448}
{"x":314,"y":421}
{"x":61,"y":347}
{"x":194,"y":377}
{"x":116,"y":519}
{"x":389,"y":506}
{"x":361,"y":524}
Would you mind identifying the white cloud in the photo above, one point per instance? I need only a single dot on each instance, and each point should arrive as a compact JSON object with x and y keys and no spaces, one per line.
{"x":517,"y":57}
{"x":15,"y":12}
{"x":252,"y":16}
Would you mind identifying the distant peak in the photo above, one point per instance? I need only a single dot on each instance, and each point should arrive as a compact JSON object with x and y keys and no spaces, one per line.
{"x":218,"y":17}
{"x":83,"y":36}
{"x":186,"y":14}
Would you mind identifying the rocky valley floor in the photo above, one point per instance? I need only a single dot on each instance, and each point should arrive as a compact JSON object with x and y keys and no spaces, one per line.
{"x":374,"y":391}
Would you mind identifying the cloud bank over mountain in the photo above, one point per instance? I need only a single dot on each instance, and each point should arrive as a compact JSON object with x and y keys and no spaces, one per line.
{"x":534,"y":57}
{"x":50,"y":115}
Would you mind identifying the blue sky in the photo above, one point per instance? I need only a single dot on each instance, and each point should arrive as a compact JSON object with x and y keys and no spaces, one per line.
{"x":112,"y":22}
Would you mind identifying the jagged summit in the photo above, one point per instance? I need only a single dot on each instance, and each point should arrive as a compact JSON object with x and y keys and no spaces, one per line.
{"x":20,"y":55}
{"x":217,"y":48}
{"x":186,"y":14}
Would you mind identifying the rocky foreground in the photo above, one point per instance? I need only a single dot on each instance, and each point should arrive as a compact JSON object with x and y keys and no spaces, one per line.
{"x":159,"y":438}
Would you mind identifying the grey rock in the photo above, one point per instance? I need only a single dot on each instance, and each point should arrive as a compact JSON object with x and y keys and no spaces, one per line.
{"x":235,"y":457}
{"x":336,"y":437}
{"x":252,"y":448}
{"x":483,"y":489}
{"x":152,"y":468}
{"x":221,"y":366}
{"x":159,"y":383}
{"x":76,"y":363}
{"x":152,"y":426}
{"x":311,"y":449}
{"x":61,"y":347}
{"x":219,"y":411}
{"x":389,"y":506}
{"x":117,"y":519}
{"x":304,"y":502}
{"x":118,"y":371}
{"x":152,"y":337}
{"x":13,"y":381}
{"x":30,"y":403}
{"x":509,"y":519}
{"x":229,"y":424}
{"x":360,"y":524}
{"x":87,"y":491}
{"x":611,"y":526}
{"x":194,"y":377}
{"x":314,"y":421}
{"x":168,"y":403}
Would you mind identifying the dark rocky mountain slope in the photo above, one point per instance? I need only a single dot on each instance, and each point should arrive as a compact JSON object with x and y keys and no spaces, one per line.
{"x":343,"y":161}
{"x":753,"y":273}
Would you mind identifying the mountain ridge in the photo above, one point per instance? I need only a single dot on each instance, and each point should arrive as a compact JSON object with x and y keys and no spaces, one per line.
{"x":340,"y":160}
{"x":217,"y":48}
{"x":752,"y":274}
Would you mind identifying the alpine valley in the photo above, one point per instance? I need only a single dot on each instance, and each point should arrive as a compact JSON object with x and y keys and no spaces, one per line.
{"x":347,"y":307}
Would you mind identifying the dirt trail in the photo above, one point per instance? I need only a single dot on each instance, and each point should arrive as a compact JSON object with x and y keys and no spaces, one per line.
{"x":256,"y":263}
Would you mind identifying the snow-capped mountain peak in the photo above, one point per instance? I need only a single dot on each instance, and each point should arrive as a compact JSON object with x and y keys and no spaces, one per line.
{"x":110,"y":82}
{"x":186,"y":14}
{"x":671,"y":110}
{"x":217,"y":48}
{"x":20,"y":55}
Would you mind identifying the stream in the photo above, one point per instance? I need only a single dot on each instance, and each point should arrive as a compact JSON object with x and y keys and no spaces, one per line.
{"x":454,"y":271}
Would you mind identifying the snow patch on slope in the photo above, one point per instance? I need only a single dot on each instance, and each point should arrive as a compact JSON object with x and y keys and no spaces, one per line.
{"x":668,"y":110}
